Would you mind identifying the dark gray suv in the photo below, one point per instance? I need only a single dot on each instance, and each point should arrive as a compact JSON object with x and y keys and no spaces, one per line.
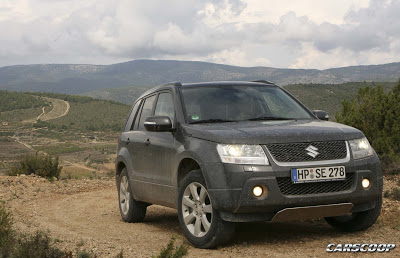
{"x":226,"y":152}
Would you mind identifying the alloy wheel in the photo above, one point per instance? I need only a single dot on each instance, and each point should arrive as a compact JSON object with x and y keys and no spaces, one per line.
{"x":124,"y":195}
{"x":197,"y":209}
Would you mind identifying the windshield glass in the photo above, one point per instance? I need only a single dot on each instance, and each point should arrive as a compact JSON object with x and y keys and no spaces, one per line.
{"x":239,"y":103}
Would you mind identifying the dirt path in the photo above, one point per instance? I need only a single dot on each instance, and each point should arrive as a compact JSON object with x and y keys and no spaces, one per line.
{"x":83,"y":166}
{"x":85,"y":212}
{"x":60,"y":109}
{"x":43,"y":111}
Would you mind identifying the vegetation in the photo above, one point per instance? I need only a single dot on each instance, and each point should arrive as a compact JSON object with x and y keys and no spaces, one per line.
{"x":77,"y":79}
{"x":93,"y":116}
{"x":17,"y":245}
{"x":393,"y":194}
{"x":377,"y":114}
{"x":5,"y":231}
{"x":41,"y":124}
{"x":60,"y":149}
{"x":126,"y":95}
{"x":15,"y":100}
{"x":329,"y":97}
{"x":172,"y":252}
{"x":41,"y":245}
{"x":19,"y":115}
{"x":69,"y":98}
{"x":44,"y":166}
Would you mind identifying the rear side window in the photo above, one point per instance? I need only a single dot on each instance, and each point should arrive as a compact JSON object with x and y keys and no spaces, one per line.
{"x":165,"y":106}
{"x":132,"y":116}
{"x":146,"y":111}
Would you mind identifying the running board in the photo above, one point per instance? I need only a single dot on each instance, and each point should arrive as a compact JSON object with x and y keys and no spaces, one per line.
{"x":313,"y":212}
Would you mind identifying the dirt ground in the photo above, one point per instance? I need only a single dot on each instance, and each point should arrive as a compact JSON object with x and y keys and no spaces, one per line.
{"x":83,"y":214}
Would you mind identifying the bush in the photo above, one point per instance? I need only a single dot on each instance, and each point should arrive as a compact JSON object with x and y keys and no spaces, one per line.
{"x":19,"y":245}
{"x":377,"y":114}
{"x":44,"y":166}
{"x":37,"y":245}
{"x":171,"y":252}
{"x":40,"y":124}
{"x":6,"y":231}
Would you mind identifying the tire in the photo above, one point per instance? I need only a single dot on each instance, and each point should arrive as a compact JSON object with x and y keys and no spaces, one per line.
{"x":200,"y":222}
{"x":356,"y":221}
{"x":130,"y":209}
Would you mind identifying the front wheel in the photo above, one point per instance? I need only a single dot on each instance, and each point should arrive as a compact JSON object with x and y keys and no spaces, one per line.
{"x":357,"y":221}
{"x":201,"y":223}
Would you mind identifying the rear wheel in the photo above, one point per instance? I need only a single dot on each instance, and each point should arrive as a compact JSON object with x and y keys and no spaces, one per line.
{"x":130,"y":209}
{"x":201,"y":223}
{"x":357,"y":221}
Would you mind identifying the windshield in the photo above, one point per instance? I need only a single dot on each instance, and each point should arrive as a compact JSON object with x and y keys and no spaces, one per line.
{"x":239,"y":103}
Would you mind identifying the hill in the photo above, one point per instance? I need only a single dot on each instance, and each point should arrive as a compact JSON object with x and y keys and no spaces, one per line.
{"x":84,"y":114}
{"x":88,"y":114}
{"x":14,"y":100}
{"x":315,"y":96}
{"x":77,"y":79}
{"x":126,"y":95}
{"x":329,"y":97}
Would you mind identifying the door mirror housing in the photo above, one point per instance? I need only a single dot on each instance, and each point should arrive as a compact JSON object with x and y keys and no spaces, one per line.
{"x":321,"y":114}
{"x":158,"y":124}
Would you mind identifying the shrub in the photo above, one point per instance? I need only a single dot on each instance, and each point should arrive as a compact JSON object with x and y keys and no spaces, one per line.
{"x":44,"y":166}
{"x":171,"y":252}
{"x":40,"y":124}
{"x":13,"y":244}
{"x":37,"y":245}
{"x":6,"y":232}
{"x":377,"y":114}
{"x":395,"y":194}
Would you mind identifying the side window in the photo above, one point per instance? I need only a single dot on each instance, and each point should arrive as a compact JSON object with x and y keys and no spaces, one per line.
{"x":131,"y":119}
{"x":165,"y":106}
{"x":146,"y":111}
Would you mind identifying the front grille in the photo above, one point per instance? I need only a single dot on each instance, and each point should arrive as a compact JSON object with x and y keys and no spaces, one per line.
{"x":296,"y":152}
{"x":288,"y":188}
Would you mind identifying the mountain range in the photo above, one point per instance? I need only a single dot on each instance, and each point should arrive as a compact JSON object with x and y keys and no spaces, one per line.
{"x":82,"y":78}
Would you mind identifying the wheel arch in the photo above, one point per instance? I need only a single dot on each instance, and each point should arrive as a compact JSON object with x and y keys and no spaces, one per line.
{"x":186,"y":165}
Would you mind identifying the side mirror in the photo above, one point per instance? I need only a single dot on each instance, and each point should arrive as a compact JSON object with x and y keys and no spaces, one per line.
{"x":158,"y":124}
{"x":321,"y":114}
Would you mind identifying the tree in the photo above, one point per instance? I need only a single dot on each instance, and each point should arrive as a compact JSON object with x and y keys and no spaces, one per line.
{"x":377,"y":114}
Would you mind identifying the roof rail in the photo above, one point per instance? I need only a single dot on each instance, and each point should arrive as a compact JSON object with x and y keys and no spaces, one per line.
{"x":264,"y":81}
{"x":173,"y":84}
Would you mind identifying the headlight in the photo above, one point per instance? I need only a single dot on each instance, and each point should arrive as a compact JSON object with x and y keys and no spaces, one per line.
{"x":242,"y":154}
{"x":361,"y":148}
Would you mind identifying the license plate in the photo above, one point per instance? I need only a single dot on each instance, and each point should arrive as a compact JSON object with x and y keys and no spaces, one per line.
{"x":320,"y":174}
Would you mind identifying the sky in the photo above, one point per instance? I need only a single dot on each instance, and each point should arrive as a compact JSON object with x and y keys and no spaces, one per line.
{"x":285,"y":33}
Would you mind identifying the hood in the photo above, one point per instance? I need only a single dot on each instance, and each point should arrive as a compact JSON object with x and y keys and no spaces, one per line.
{"x":264,"y":132}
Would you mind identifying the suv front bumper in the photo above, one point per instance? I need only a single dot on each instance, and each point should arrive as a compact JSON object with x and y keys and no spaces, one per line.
{"x":230,"y":188}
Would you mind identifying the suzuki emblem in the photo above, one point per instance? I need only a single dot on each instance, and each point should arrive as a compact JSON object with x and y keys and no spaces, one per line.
{"x":312,"y":151}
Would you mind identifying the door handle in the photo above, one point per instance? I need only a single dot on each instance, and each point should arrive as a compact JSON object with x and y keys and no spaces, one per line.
{"x":147,"y":142}
{"x":127,"y":141}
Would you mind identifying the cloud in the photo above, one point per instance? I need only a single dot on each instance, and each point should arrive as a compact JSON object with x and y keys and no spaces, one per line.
{"x":301,"y":34}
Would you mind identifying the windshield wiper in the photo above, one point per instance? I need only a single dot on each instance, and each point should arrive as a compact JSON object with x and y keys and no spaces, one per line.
{"x":270,"y":118}
{"x":211,"y":121}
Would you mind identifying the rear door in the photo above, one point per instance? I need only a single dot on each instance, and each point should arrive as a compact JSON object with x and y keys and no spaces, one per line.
{"x":130,"y":136}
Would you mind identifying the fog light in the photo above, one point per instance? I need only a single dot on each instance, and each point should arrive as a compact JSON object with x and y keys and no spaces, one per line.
{"x":365,"y":183}
{"x":257,"y":191}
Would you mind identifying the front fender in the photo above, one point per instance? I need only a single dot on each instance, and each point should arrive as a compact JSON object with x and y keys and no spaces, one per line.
{"x":204,"y":153}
